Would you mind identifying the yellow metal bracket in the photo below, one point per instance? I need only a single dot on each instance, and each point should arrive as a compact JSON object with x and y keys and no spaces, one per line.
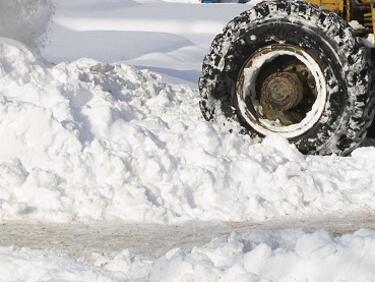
{"x":373,"y":17}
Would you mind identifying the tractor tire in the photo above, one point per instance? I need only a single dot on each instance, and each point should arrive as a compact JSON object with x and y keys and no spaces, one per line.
{"x":331,"y":67}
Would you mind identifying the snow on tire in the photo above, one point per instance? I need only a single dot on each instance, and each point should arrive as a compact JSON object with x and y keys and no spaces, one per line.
{"x":339,"y":104}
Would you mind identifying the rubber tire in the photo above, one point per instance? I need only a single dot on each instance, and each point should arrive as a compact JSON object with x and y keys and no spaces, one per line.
{"x":343,"y":58}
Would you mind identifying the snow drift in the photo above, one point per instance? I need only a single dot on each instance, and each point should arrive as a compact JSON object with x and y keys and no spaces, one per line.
{"x":86,"y":141}
{"x":291,"y":255}
{"x":25,"y":20}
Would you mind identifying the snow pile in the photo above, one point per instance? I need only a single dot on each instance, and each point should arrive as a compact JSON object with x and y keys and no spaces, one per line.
{"x":275,"y":256}
{"x":25,"y":20}
{"x":31,"y":265}
{"x":291,"y":255}
{"x":91,"y":141}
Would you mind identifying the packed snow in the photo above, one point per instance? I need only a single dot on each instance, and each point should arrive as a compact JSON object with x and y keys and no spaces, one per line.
{"x":290,"y":255}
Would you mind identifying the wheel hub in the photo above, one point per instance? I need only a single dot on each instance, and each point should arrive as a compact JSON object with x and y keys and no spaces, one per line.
{"x":281,"y":91}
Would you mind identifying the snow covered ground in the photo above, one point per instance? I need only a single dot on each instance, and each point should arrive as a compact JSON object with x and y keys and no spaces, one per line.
{"x":289,"y":255}
{"x":170,"y":38}
{"x":93,"y":140}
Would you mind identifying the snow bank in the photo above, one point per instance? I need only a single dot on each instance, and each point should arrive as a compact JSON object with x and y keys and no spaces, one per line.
{"x":24,"y":20}
{"x":275,"y":256}
{"x":90,"y":141}
{"x":291,"y":255}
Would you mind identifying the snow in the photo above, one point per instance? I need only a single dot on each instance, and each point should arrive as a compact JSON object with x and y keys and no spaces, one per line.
{"x":87,"y":140}
{"x":280,"y":256}
{"x":288,"y":255}
{"x":356,"y":25}
{"x":170,"y":38}
{"x":25,"y":20}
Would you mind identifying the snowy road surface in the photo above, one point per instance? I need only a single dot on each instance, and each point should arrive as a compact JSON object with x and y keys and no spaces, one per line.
{"x":154,"y":240}
{"x":252,"y":253}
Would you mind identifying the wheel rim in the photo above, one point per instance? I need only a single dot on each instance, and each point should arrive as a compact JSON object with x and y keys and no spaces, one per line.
{"x":281,"y":89}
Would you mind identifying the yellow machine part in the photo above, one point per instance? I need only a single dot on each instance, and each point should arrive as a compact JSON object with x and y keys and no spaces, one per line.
{"x":332,"y":5}
{"x":350,"y":9}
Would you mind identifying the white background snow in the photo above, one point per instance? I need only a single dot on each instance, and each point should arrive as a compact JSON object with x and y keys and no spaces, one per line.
{"x":89,"y":134}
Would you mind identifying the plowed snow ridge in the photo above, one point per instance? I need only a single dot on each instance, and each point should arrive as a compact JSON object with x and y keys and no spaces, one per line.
{"x":87,"y":141}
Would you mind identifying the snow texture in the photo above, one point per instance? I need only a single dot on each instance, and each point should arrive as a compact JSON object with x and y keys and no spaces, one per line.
{"x":87,"y":141}
{"x":291,"y":255}
{"x":25,"y":20}
{"x":169,"y":38}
